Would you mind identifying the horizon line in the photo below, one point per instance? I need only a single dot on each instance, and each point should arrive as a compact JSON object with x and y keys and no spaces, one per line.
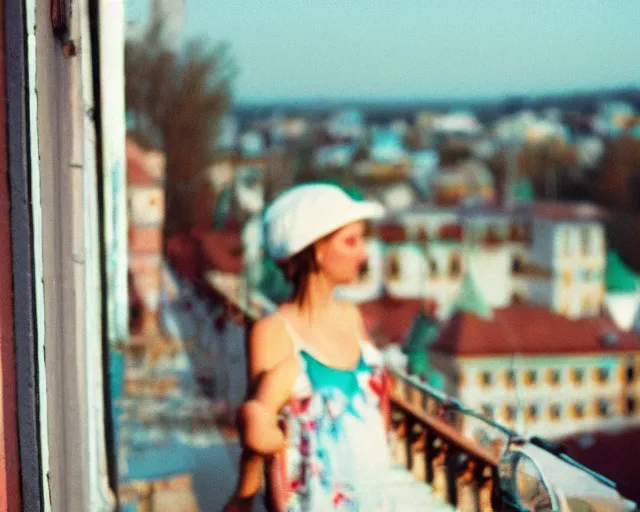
{"x":487,"y":98}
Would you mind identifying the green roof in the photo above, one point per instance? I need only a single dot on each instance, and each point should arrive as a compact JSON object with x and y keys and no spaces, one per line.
{"x":471,"y":300}
{"x":418,"y":364}
{"x":619,"y":278}
{"x":421,"y":367}
{"x":523,"y":190}
{"x":423,"y":332}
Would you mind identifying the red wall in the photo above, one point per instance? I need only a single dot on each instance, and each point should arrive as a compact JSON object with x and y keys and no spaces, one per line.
{"x":9,"y":462}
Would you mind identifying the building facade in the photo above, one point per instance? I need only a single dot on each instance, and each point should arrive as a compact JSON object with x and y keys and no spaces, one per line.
{"x":541,"y":373}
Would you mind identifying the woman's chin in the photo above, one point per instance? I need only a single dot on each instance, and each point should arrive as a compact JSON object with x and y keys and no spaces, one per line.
{"x":348,"y":281}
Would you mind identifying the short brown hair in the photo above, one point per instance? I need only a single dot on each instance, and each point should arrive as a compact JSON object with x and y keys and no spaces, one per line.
{"x":297,"y":270}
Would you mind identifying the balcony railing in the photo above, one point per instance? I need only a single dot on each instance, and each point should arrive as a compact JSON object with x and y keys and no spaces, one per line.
{"x":475,"y":463}
{"x":428,"y":442}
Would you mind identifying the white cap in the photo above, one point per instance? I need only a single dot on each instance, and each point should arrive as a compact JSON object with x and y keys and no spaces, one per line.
{"x":306,"y":213}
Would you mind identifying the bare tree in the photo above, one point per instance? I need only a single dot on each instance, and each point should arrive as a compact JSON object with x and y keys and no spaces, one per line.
{"x":174,"y":101}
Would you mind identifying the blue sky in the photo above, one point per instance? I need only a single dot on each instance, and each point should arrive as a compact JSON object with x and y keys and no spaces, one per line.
{"x":419,"y":49}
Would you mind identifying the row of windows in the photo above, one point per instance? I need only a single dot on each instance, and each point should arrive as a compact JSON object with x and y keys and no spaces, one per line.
{"x":601,"y":408}
{"x":551,"y":376}
{"x":586,"y":248}
{"x":453,"y":270}
{"x":589,"y":305}
{"x":581,"y":276}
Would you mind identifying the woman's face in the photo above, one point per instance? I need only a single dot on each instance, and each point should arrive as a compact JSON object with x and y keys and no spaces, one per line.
{"x":340,"y":256}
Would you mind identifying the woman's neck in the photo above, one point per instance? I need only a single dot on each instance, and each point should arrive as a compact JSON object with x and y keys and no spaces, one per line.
{"x":318,"y":301}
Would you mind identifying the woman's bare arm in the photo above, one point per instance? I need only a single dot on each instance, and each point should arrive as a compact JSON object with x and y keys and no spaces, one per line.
{"x":269,"y":344}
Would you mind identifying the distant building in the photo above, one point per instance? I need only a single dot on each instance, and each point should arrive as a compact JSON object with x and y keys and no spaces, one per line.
{"x":568,"y":248}
{"x":146,"y":210}
{"x":383,"y":173}
{"x":526,"y":126}
{"x":404,"y":266}
{"x":589,"y":150}
{"x":252,"y":144}
{"x":613,"y":118}
{"x":622,"y":299}
{"x":550,"y":254}
{"x":424,"y":166}
{"x":347,"y":124}
{"x":337,"y":155}
{"x":386,"y":146}
{"x":548,"y":375}
{"x":457,"y":123}
{"x":398,"y":197}
{"x":424,"y":124}
{"x":249,"y":188}
{"x":221,"y":174}
{"x":484,"y":148}
{"x":228,"y":135}
{"x":469,"y":180}
{"x":496,"y":248}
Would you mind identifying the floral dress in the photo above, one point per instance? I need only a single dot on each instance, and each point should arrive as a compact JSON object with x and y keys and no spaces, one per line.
{"x":337,"y":453}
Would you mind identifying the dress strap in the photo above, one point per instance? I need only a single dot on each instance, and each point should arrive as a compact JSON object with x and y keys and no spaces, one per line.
{"x":295,"y":337}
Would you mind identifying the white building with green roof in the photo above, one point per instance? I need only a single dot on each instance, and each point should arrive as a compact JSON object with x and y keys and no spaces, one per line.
{"x":622,"y":299}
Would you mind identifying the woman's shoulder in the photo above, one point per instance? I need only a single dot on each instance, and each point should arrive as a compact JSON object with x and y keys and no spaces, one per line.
{"x":270,"y":327}
{"x":269,"y":339}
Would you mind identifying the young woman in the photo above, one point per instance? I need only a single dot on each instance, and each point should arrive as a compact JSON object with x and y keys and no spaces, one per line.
{"x":313,"y":368}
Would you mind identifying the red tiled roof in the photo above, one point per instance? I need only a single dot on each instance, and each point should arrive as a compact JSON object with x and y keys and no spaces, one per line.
{"x":388,"y":320}
{"x":522,"y":210}
{"x":136,"y":173}
{"x":623,"y":468}
{"x":560,"y":210}
{"x":530,"y":330}
{"x":391,"y":233}
{"x":450,"y":232}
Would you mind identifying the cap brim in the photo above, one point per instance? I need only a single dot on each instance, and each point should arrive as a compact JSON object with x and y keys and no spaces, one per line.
{"x":369,"y":210}
{"x":361,"y":210}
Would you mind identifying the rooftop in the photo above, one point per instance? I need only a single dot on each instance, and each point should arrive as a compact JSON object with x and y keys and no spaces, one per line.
{"x":568,"y":211}
{"x":388,"y":320}
{"x":531,"y":330}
